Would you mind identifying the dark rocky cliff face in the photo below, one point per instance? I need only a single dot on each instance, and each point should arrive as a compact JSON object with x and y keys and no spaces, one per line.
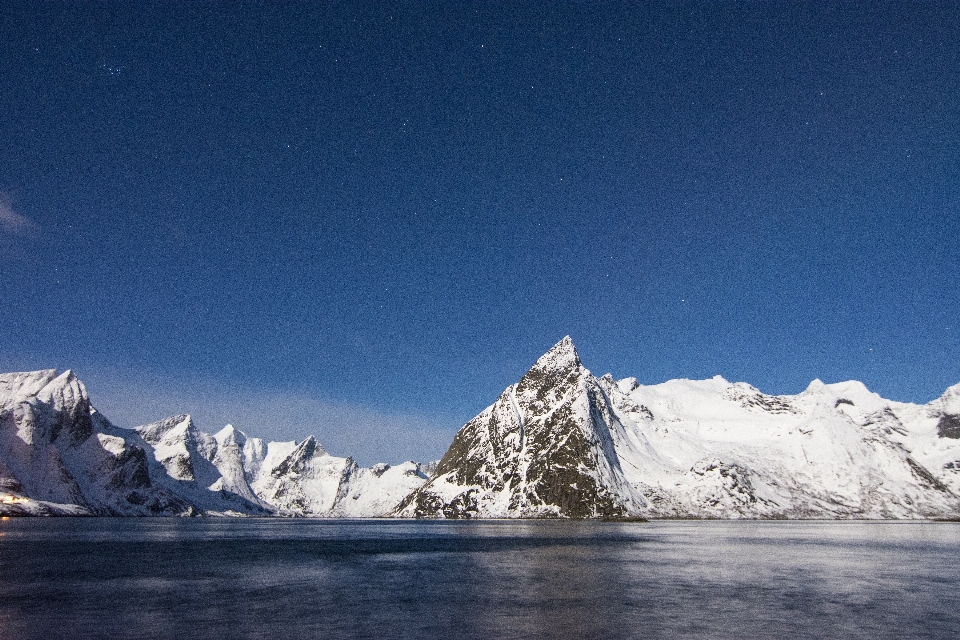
{"x":541,"y":450}
{"x":949,"y":426}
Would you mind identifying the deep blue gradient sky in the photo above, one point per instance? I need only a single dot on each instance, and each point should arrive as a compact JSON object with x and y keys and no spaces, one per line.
{"x":363,"y":222}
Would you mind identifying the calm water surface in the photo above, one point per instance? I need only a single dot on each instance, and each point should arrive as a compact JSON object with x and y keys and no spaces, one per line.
{"x":279,"y":578}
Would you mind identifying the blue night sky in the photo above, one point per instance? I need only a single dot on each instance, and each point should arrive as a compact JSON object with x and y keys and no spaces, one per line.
{"x":363,"y":221}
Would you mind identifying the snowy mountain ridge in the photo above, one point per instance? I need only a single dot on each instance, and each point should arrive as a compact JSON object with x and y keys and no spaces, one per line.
{"x":560,"y":442}
{"x":563,"y":442}
{"x":59,"y":456}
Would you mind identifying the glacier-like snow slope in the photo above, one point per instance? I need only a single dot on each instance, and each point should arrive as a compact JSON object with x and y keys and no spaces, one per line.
{"x":58,"y":456}
{"x":562,"y":442}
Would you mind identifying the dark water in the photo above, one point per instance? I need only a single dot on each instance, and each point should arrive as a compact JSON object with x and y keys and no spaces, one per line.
{"x":278,"y":578}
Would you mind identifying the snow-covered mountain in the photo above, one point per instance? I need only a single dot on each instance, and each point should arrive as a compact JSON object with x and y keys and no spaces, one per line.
{"x":562,"y":442}
{"x":546,"y":447}
{"x":559,"y":443}
{"x":59,"y":456}
{"x":304,"y":479}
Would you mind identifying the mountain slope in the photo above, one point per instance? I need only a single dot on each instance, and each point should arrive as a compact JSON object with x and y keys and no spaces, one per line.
{"x":727,"y":450}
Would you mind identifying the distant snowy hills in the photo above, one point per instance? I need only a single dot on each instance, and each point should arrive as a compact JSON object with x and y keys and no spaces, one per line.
{"x":559,"y":443}
{"x":59,"y":456}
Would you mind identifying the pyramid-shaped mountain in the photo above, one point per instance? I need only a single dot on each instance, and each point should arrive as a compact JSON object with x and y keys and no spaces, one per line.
{"x":543,"y":449}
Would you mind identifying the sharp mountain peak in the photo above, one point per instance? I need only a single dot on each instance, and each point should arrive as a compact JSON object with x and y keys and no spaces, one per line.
{"x":562,"y":356}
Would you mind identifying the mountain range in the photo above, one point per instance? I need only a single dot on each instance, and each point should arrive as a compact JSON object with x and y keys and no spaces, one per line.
{"x":560,"y":442}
